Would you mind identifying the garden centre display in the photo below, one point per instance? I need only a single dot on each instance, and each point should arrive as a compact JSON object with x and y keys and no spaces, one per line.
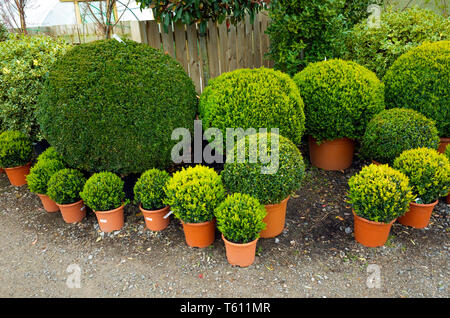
{"x":16,"y":152}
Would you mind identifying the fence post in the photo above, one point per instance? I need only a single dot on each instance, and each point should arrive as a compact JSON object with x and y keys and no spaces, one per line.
{"x":138,"y":31}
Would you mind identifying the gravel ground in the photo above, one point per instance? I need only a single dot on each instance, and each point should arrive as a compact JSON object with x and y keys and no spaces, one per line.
{"x":316,"y":256}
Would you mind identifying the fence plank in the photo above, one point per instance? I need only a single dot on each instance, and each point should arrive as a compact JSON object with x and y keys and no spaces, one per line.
{"x":249,"y":43}
{"x":264,"y":37}
{"x":223,"y":45}
{"x":213,"y":50}
{"x":168,"y":42}
{"x":231,"y":49}
{"x":241,"y":59}
{"x":153,"y":35}
{"x":194,"y":59}
{"x":257,"y":60}
{"x":181,"y":51}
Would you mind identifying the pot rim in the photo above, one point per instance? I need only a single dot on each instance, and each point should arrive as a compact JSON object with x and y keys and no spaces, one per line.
{"x":69,"y":204}
{"x":373,"y":222}
{"x":445,"y":139}
{"x":424,"y":205}
{"x":111,"y":211}
{"x":198,"y":224}
{"x":18,"y":167}
{"x":282,"y":201}
{"x":153,"y":211}
{"x":240,"y":244}
{"x":341,"y":139}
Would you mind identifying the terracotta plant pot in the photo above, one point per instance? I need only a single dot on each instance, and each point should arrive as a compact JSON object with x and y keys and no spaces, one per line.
{"x":369,"y":233}
{"x":49,"y":204}
{"x":418,"y":215}
{"x":17,"y":175}
{"x":154,"y":220}
{"x":74,"y":212}
{"x":443,"y":144}
{"x":1,"y":170}
{"x":242,"y":255}
{"x":335,"y":154}
{"x":275,"y":219}
{"x":111,"y":220}
{"x":199,"y":234}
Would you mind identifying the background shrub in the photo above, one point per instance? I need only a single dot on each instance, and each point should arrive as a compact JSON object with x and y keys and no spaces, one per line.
{"x":399,"y":31}
{"x":340,"y":98}
{"x":149,"y":189}
{"x":447,"y":152}
{"x":379,"y":193}
{"x":112,"y":106}
{"x":419,"y":79}
{"x":15,"y":149}
{"x":253,"y":98}
{"x":428,"y":172}
{"x":193,"y":194}
{"x":65,"y":185}
{"x":41,"y":173}
{"x":24,"y":63}
{"x":3,"y":32}
{"x":50,"y":153}
{"x":267,"y":188}
{"x":240,"y":218}
{"x":393,"y":131}
{"x":103,"y":191}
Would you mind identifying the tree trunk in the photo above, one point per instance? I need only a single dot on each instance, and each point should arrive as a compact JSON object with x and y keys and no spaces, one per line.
{"x":23,"y":24}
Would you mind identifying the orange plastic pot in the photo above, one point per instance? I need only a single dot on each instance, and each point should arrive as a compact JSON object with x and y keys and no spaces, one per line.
{"x":275,"y":219}
{"x":17,"y":175}
{"x":443,"y":144}
{"x":418,"y":215}
{"x":242,"y":255}
{"x":369,"y":233}
{"x":199,"y":234}
{"x":154,"y":220}
{"x":49,"y":204}
{"x":74,"y":212}
{"x":335,"y":154}
{"x":111,"y":220}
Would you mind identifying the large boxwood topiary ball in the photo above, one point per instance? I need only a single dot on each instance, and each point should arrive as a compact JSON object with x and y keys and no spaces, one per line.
{"x":253,"y":98}
{"x":419,"y":79}
{"x":340,"y":98}
{"x":112,"y":106}
{"x":393,"y":131}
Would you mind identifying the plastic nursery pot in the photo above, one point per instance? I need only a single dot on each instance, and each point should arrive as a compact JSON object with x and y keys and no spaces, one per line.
{"x":49,"y":204}
{"x":74,"y":212}
{"x":242,"y":255}
{"x":443,"y":144}
{"x":199,"y":234}
{"x":155,"y":220}
{"x":335,"y":154}
{"x":275,"y":219}
{"x":369,"y":233}
{"x":111,"y":220}
{"x":418,"y":215}
{"x":17,"y":175}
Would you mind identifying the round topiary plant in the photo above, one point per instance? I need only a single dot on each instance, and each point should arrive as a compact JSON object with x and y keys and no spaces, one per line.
{"x":380,"y":193}
{"x":64,"y":186}
{"x":50,"y":153}
{"x":149,"y":189}
{"x":419,"y":79}
{"x":253,"y":98}
{"x":240,"y":218}
{"x":270,"y":180}
{"x":393,"y":131}
{"x":428,"y":172}
{"x":103,"y":191}
{"x":41,"y":173}
{"x":340,"y":98}
{"x":193,"y":193}
{"x":447,"y":152}
{"x":113,"y":106}
{"x":16,"y":149}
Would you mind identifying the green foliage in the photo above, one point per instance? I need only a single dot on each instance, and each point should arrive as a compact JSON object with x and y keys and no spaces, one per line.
{"x":193,"y":193}
{"x":103,"y":191}
{"x":447,"y":152}
{"x":393,"y":131}
{"x":41,"y":173}
{"x":24,"y":63}
{"x":50,"y":153}
{"x":253,"y":98}
{"x":3,"y":32}
{"x":240,"y":218}
{"x":428,"y":172}
{"x":378,"y":47}
{"x":113,"y":106}
{"x":419,"y":79}
{"x":268,"y":182}
{"x":340,"y":98}
{"x":149,"y":189}
{"x":380,"y":193}
{"x":64,"y":186}
{"x":16,"y":149}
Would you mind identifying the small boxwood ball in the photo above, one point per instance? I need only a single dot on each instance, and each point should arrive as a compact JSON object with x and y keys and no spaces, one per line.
{"x":113,"y":106}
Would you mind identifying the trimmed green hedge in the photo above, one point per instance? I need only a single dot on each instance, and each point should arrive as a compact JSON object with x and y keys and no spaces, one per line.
{"x":149,"y":189}
{"x":41,"y":173}
{"x":64,"y":186}
{"x":16,"y":149}
{"x":103,"y":191}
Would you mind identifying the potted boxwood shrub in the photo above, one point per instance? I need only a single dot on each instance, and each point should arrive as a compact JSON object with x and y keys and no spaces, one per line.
{"x":340,"y":98}
{"x":447,"y":154}
{"x":240,"y":219}
{"x":149,"y":193}
{"x":38,"y":179}
{"x":103,"y":193}
{"x":193,"y":194}
{"x":429,"y":175}
{"x":379,"y":194}
{"x":50,"y":153}
{"x":16,"y":152}
{"x":269,"y":182}
{"x":393,"y":131}
{"x":64,"y":188}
